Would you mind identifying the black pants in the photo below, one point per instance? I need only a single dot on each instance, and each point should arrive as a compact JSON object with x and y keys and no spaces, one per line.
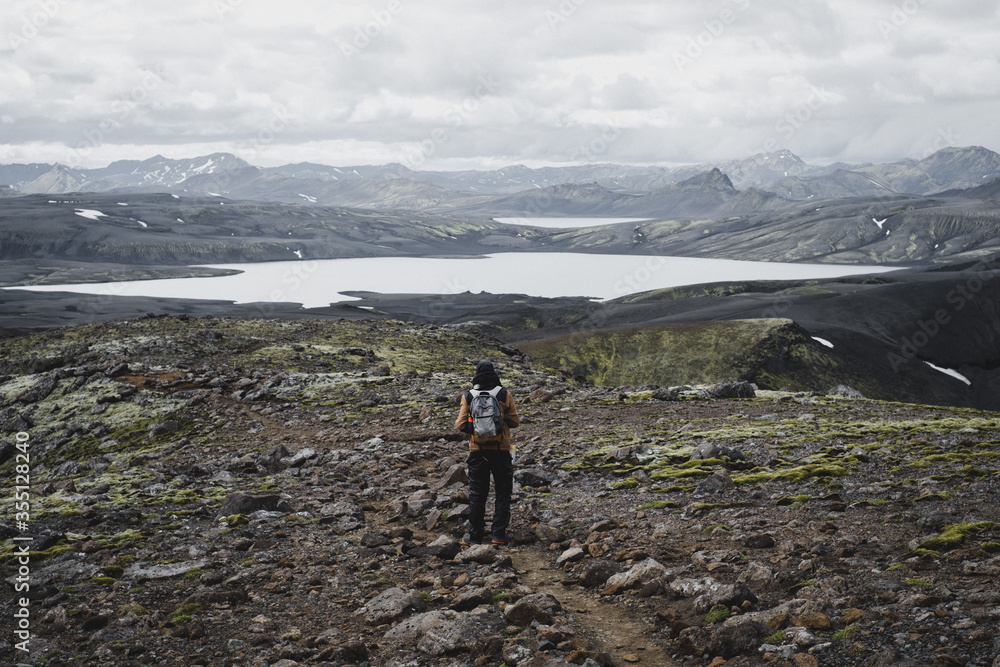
{"x":482,"y":464}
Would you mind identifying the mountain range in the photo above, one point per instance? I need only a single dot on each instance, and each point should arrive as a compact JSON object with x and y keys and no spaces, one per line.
{"x":760,"y":183}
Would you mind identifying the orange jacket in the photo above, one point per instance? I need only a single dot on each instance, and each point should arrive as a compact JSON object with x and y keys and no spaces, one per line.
{"x":510,"y":420}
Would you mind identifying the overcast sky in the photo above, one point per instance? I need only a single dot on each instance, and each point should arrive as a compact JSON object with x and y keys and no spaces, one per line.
{"x":448,"y":84}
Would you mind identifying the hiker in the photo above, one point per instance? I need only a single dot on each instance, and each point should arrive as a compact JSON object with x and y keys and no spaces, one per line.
{"x":488,"y":454}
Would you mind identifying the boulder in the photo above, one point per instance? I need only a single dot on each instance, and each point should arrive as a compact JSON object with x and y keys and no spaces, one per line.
{"x":730,"y":390}
{"x":535,"y":607}
{"x":391,"y":605}
{"x":244,"y":503}
{"x":635,"y":577}
{"x":534,"y":477}
{"x":596,"y":572}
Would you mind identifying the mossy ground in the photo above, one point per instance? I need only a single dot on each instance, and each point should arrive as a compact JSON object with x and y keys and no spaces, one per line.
{"x":139,"y":497}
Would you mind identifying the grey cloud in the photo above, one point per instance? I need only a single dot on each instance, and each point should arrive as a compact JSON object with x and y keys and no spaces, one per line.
{"x":561,"y":73}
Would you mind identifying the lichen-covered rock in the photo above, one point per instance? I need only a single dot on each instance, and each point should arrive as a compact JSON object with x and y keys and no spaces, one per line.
{"x":635,"y":577}
{"x":391,"y":605}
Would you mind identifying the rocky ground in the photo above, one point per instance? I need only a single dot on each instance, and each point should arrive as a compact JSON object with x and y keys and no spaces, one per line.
{"x":207,"y":491}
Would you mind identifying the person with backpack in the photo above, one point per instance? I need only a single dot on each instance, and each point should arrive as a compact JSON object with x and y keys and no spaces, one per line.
{"x":487,"y":413}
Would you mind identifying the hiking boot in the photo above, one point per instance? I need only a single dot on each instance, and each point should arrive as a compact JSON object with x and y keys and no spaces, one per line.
{"x":500,"y":541}
{"x":468,"y":541}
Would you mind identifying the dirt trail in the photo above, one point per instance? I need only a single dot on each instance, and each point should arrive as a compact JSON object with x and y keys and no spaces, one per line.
{"x":612,"y":628}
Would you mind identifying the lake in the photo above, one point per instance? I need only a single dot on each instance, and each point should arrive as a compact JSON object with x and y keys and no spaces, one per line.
{"x":318,"y":283}
{"x":562,"y":223}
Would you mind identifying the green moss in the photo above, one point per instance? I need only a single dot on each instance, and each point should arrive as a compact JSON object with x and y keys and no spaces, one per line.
{"x":802,"y":584}
{"x":796,"y":474}
{"x":659,"y":504}
{"x":918,"y":582}
{"x":692,"y":469}
{"x":103,"y":581}
{"x":943,"y":495}
{"x":790,"y":500}
{"x":120,"y":540}
{"x":134,"y":609}
{"x":113,"y":571}
{"x":845,"y":634}
{"x":777,"y":639}
{"x":184,"y":613}
{"x":58,"y":549}
{"x":717,"y":614}
{"x":668,"y":355}
{"x":630,"y":483}
{"x":954,"y":535}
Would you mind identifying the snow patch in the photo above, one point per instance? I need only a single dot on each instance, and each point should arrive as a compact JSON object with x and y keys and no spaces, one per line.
{"x":948,"y":371}
{"x":198,"y":170}
{"x":90,"y":214}
{"x":175,"y":196}
{"x":880,"y":222}
{"x":823,"y":341}
{"x":142,"y":223}
{"x":308,"y":198}
{"x":121,"y":203}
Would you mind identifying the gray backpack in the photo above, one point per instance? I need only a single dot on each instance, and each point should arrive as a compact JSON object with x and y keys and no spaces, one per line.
{"x":485,"y":413}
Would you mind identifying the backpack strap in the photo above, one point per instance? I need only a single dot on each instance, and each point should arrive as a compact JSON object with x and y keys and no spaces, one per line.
{"x":498,"y":392}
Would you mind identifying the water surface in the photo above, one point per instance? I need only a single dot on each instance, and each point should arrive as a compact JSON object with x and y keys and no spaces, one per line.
{"x":318,"y":283}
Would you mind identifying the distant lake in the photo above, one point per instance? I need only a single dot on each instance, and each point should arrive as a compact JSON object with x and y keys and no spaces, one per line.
{"x":556,"y":223}
{"x":318,"y":283}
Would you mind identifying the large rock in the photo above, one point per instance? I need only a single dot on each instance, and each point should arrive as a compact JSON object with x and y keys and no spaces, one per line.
{"x":470,"y":598}
{"x":484,"y":554}
{"x":730,"y":390}
{"x":244,"y":503}
{"x":730,"y":641}
{"x":534,"y":477}
{"x":728,"y":594}
{"x":42,"y":387}
{"x":164,"y":571}
{"x":64,"y":572}
{"x":535,"y":607}
{"x":391,"y":605}
{"x":437,"y":633}
{"x":637,"y":576}
{"x":717,"y":482}
{"x":596,"y":572}
{"x":456,"y":474}
{"x":444,"y":547}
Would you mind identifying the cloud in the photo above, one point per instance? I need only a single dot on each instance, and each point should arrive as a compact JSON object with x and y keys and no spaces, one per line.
{"x":354,"y":82}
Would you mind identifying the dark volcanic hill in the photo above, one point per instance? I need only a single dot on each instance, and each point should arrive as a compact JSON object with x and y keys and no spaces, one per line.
{"x":167,"y":229}
{"x":707,"y":195}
